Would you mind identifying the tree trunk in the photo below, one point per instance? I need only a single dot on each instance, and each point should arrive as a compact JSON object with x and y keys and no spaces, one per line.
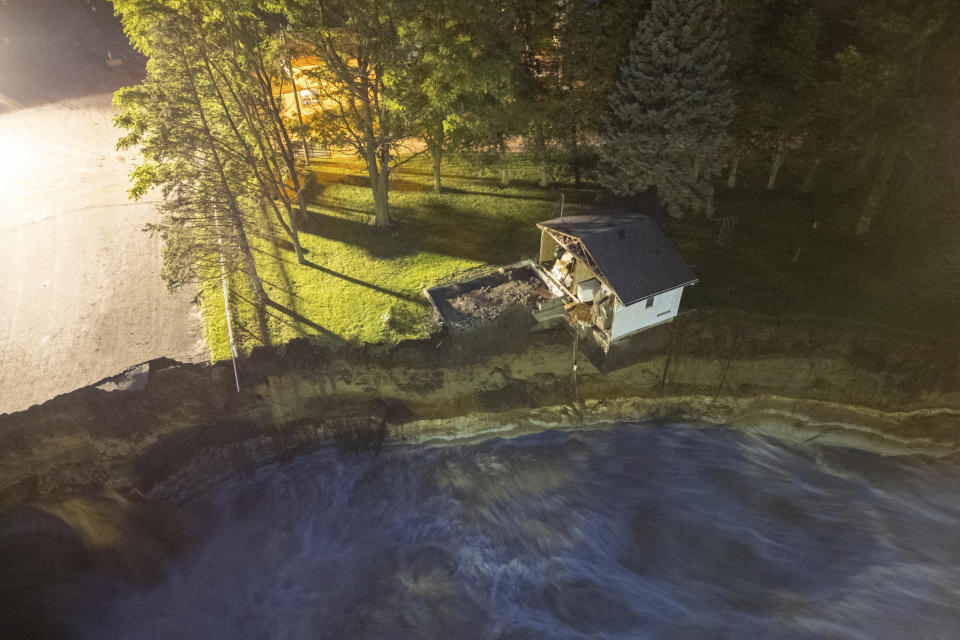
{"x":236,"y":218}
{"x":380,"y":186}
{"x":695,"y":175}
{"x":541,"y":145}
{"x":774,"y":170}
{"x":811,"y":174}
{"x":575,"y":159}
{"x":436,"y":153}
{"x":374,"y":147}
{"x":296,"y":101}
{"x":504,"y":174}
{"x":251,"y":269}
{"x":381,"y":204}
{"x":384,"y":159}
{"x":732,"y":175}
{"x":295,"y":229}
{"x":878,"y":190}
{"x":710,"y":209}
{"x":290,"y":162}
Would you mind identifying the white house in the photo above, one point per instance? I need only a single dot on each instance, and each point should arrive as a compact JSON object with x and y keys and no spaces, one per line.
{"x":620,"y":272}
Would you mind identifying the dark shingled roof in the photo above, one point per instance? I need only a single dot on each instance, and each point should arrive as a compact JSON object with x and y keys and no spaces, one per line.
{"x":634,"y":257}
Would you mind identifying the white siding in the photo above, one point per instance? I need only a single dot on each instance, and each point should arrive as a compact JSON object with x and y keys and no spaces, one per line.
{"x":637,"y":316}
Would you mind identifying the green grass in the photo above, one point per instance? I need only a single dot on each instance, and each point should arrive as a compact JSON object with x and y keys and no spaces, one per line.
{"x":888,"y":280}
{"x":364,"y":285}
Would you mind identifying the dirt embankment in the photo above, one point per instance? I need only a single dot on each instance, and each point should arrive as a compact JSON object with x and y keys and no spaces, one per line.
{"x":161,"y":426}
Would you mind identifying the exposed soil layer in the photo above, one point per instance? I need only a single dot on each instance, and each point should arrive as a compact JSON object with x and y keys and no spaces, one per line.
{"x":173,"y":425}
{"x":471,"y":303}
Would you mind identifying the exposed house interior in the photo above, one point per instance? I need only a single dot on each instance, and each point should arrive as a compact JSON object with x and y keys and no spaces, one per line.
{"x":615,"y":273}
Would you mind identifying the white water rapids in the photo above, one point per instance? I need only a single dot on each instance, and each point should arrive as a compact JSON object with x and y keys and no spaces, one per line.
{"x":634,"y":531}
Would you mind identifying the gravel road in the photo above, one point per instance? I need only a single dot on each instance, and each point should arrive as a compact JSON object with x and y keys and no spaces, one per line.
{"x":80,"y":291}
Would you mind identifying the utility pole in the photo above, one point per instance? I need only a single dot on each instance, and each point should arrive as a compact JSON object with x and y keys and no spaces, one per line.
{"x":226,"y":303}
{"x":576,"y":345}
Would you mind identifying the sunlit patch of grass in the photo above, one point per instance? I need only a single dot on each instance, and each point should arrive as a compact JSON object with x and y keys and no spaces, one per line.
{"x":364,"y":285}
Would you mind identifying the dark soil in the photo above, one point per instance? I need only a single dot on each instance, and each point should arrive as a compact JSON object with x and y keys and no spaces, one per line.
{"x":469,"y":304}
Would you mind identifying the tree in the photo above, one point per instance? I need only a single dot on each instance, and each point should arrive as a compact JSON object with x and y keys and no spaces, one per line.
{"x":894,"y":97}
{"x":539,"y":28}
{"x":172,"y":121}
{"x":777,"y":67}
{"x":589,"y":35}
{"x":359,"y":46}
{"x":245,"y":68}
{"x":242,"y":72}
{"x":501,"y":107}
{"x":667,"y":119}
{"x":457,"y":63}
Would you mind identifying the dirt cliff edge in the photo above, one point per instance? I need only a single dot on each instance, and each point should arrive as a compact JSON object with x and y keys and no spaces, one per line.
{"x":162,"y":422}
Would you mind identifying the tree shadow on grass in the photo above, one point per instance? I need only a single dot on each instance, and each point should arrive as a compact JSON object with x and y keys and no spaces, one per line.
{"x":302,"y":319}
{"x":356,"y":232}
{"x":446,"y":229}
{"x":434,"y":227}
{"x":286,"y":245}
{"x":585,"y":195}
{"x":460,"y":224}
{"x":363,"y":283}
{"x":251,"y":335}
{"x":399,"y":185}
{"x":276,"y":245}
{"x":324,"y":177}
{"x":428,"y":173}
{"x":360,"y":214}
{"x":285,"y":314}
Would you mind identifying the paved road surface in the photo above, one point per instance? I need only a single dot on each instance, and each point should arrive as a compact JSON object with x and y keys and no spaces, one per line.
{"x":80,"y":293}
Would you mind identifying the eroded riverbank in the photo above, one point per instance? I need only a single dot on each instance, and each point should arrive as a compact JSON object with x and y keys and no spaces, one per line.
{"x":850,"y":385}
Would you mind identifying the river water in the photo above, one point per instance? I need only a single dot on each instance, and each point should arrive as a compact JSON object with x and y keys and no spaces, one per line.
{"x":633,"y":531}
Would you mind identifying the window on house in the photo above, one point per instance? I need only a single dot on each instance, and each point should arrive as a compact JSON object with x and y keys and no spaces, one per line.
{"x":308,"y":96}
{"x":650,"y":302}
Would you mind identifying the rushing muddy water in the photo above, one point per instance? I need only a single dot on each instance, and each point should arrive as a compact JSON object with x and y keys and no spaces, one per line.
{"x":625,"y":532}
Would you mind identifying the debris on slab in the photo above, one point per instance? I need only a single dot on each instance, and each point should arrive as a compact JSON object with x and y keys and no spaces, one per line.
{"x":468,"y":304}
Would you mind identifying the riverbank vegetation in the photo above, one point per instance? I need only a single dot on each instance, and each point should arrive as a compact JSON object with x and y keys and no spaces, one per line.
{"x":809,"y":172}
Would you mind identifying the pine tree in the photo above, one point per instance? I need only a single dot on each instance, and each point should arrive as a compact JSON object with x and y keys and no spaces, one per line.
{"x":667,"y":119}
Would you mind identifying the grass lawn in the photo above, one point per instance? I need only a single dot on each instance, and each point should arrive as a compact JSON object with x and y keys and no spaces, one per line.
{"x":364,"y":285}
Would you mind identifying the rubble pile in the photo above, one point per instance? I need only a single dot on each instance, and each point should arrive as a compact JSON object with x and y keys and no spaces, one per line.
{"x":466,"y":305}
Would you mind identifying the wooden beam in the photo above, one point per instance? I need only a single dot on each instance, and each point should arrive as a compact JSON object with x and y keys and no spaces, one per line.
{"x":574,"y":246}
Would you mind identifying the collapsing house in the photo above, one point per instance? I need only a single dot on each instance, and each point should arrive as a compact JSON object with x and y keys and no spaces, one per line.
{"x":617,"y":273}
